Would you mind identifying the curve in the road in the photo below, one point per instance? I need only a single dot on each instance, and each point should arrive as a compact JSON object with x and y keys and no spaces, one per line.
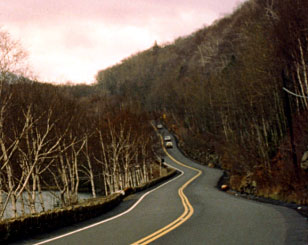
{"x":188,"y":209}
{"x":113,"y":217}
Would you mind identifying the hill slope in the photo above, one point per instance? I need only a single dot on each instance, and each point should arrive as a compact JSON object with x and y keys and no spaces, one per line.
{"x":221,"y":89}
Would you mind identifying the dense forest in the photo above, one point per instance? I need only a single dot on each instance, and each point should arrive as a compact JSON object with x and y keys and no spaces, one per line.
{"x":234,"y":93}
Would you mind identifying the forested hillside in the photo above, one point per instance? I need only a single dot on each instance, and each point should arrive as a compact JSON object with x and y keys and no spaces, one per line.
{"x":226,"y":90}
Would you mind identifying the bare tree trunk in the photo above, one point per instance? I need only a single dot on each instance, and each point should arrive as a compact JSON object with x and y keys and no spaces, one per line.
{"x":31,"y":196}
{"x":11,"y":195}
{"x":304,"y":69}
{"x":92,"y":185}
{"x":1,"y":199}
{"x":88,"y":170}
{"x":8,"y":198}
{"x":108,"y":186}
{"x":40,"y":194}
{"x":31,"y":201}
{"x":22,"y":204}
{"x":301,"y":85}
{"x":1,"y":194}
{"x":14,"y":205}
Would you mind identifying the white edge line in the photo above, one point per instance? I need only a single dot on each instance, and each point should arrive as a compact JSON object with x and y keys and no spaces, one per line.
{"x":116,"y":216}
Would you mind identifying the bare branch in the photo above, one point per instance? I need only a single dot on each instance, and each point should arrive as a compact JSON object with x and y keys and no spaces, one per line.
{"x":294,"y":94}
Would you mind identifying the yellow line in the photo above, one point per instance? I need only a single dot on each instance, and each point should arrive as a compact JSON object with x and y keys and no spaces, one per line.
{"x":188,"y":209}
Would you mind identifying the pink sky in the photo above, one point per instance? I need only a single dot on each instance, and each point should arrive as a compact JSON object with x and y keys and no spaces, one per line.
{"x":70,"y":40}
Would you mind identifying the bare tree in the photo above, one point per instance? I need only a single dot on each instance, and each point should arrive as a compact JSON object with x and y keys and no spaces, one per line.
{"x":36,"y":156}
{"x":12,"y":56}
{"x":9,"y":146}
{"x":87,"y":168}
{"x":66,"y":169}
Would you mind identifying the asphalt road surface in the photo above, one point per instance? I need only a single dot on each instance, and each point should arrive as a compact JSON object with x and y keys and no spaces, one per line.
{"x":187,"y":209}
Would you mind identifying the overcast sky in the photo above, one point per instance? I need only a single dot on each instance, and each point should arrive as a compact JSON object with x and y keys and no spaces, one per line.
{"x":70,"y":40}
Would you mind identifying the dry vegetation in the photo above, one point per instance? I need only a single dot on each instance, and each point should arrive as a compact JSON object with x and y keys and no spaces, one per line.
{"x":53,"y":141}
{"x":222,"y":91}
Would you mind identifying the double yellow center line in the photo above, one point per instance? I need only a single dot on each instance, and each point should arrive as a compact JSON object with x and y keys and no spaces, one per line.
{"x":188,"y":209}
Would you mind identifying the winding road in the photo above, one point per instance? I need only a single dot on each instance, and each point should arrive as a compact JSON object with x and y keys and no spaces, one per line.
{"x":187,"y":209}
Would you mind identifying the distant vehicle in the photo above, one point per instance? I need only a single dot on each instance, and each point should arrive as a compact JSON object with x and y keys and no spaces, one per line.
{"x":167,"y":138}
{"x":169,"y":144}
{"x":159,"y":126}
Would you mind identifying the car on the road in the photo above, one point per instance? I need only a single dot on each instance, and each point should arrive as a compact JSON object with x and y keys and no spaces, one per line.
{"x":159,"y":126}
{"x":167,"y":138}
{"x":169,"y":144}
